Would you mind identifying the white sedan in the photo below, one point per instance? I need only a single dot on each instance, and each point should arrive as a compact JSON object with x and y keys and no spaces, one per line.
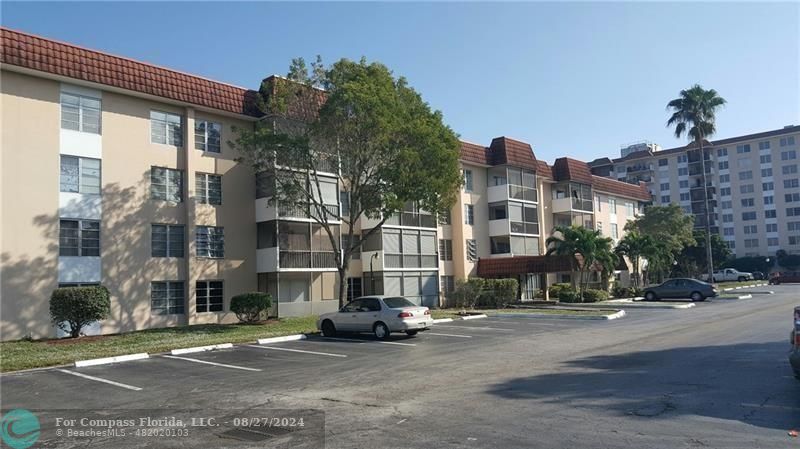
{"x":380,"y":315}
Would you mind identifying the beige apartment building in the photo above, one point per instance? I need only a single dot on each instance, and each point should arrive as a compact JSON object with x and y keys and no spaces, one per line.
{"x":119,"y":172}
{"x":753,"y":186}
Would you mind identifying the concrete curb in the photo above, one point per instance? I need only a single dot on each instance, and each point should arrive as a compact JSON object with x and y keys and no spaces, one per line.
{"x":443,"y":320}
{"x":201,"y":349}
{"x":612,"y":316}
{"x":474,"y":317}
{"x":264,"y":341}
{"x":763,"y":284}
{"x":107,"y":360}
{"x":653,"y":305}
{"x":721,"y":298}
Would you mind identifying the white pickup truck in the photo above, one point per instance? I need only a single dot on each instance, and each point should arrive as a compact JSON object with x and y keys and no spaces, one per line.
{"x":729,"y":274}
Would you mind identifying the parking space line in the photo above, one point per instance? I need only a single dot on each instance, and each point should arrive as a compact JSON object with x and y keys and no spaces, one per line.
{"x":99,"y":379}
{"x":297,"y":350}
{"x":476,"y":327}
{"x":369,"y":341}
{"x":448,"y":335}
{"x":360,"y":342}
{"x":206,"y":362}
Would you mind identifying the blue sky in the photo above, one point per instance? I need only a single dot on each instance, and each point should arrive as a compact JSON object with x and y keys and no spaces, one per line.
{"x":569,"y":78}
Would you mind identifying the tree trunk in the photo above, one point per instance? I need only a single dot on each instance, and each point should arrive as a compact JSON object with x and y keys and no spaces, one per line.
{"x":342,"y":286}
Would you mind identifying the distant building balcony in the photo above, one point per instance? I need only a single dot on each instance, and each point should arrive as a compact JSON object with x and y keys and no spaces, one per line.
{"x":640,"y":168}
{"x":562,"y":205}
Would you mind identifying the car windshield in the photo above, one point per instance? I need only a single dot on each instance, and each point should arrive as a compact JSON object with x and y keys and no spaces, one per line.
{"x":398,"y":302}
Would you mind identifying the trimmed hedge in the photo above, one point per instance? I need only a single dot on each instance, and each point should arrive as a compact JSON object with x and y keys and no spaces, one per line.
{"x":569,"y":295}
{"x":249,"y":307}
{"x":556,"y":289}
{"x":467,"y":292}
{"x":626,"y":292}
{"x":497,"y":293}
{"x":593,"y":295}
{"x":72,"y":308}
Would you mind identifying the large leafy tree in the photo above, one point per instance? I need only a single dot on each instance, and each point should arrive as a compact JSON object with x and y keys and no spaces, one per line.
{"x":587,"y":247}
{"x":634,"y":246}
{"x":694,"y":114}
{"x":355,"y":118}
{"x":693,"y":260}
{"x":669,"y":231}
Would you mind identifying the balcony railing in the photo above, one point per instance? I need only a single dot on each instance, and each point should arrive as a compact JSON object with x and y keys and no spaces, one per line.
{"x":307,"y":259}
{"x":522,"y":193}
{"x":410,"y":261}
{"x":640,"y":168}
{"x":581,"y":204}
{"x":519,"y":227}
{"x":303,"y":210}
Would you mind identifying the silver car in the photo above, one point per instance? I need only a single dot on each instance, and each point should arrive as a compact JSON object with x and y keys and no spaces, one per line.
{"x":380,"y":315}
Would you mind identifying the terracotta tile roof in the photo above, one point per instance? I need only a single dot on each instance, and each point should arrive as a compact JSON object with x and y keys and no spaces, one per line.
{"x":493,"y":267}
{"x":607,"y":185}
{"x":505,"y":151}
{"x":568,"y":169}
{"x":57,"y":58}
{"x":475,"y":153}
{"x":544,"y":170}
{"x":304,"y":102}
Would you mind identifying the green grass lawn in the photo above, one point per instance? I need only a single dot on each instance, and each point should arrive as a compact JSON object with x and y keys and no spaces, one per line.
{"x":17,"y":355}
{"x":453,"y":313}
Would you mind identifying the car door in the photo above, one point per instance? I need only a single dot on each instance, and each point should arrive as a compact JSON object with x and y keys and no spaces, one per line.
{"x":681,"y":289}
{"x":346,"y":318}
{"x":666,"y":290}
{"x":366,"y":315}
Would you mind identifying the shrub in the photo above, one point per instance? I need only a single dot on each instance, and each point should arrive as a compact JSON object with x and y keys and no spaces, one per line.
{"x":569,"y":296}
{"x":556,"y":289}
{"x":619,"y":291}
{"x":593,"y":295}
{"x":248,"y":307}
{"x":498,"y":292}
{"x":467,"y":292}
{"x":72,"y":308}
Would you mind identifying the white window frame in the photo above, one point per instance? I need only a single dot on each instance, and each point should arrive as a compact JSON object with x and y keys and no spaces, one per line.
{"x":80,"y":237}
{"x":81,"y":185}
{"x":210,"y":242}
{"x":171,"y":247}
{"x":177,"y":140}
{"x":203,"y":188}
{"x":172,"y":306}
{"x":82,"y":108}
{"x":203,"y":296}
{"x":201,"y":136}
{"x":169,"y":179}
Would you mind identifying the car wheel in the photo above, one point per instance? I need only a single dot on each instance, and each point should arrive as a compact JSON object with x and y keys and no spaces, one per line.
{"x":381,"y":331}
{"x":742,"y":279}
{"x":650,"y":296}
{"x":328,"y":329}
{"x":412,"y":333}
{"x":697,"y":296}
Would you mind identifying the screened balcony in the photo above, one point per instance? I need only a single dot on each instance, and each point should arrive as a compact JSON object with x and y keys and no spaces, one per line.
{"x":511,"y":183}
{"x":511,"y":217}
{"x":572,"y":196}
{"x":295,"y":245}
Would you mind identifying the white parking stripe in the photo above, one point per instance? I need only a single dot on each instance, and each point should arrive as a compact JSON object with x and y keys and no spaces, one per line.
{"x":360,"y":342}
{"x":368,"y":341}
{"x":297,"y":350}
{"x":395,"y":343}
{"x":205,"y":362}
{"x":475,"y":327}
{"x":98,"y":379}
{"x":448,"y":335}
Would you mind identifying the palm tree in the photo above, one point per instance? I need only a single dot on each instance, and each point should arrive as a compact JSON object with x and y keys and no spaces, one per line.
{"x":576,"y":241}
{"x":694,"y":114}
{"x":634,"y":245}
{"x":606,"y":259}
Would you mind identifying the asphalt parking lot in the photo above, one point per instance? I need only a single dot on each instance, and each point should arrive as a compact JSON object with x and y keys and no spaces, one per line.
{"x":362,"y":388}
